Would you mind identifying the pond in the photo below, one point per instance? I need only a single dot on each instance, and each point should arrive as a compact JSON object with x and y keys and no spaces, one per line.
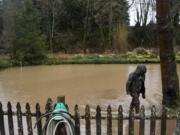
{"x":81,"y":84}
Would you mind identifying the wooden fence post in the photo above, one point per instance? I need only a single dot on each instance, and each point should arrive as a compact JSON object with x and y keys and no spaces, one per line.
{"x":109,"y":120}
{"x":10,"y":119}
{"x":2,"y":129}
{"x":48,"y":107}
{"x":77,"y":120}
{"x":120,"y":120}
{"x":28,"y":119}
{"x":67,"y":107}
{"x":98,"y":120}
{"x":177,"y":130}
{"x":153,"y":121}
{"x":142,"y":121}
{"x":163,"y":121}
{"x":131,"y":122}
{"x":19,"y":119}
{"x":39,"y":122}
{"x":88,"y":120}
{"x":61,"y":99}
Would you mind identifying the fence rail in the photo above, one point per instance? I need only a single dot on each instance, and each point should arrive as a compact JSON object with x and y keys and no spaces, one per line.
{"x":98,"y":117}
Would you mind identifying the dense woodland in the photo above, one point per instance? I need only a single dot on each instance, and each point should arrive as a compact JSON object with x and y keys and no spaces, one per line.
{"x":30,"y":29}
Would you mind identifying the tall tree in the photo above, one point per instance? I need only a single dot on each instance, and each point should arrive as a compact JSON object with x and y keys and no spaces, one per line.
{"x":1,"y":18}
{"x":51,"y":22}
{"x":29,"y":43}
{"x":80,"y":25}
{"x":110,"y":21}
{"x":109,"y":16}
{"x":10,"y":9}
{"x":170,"y":83}
{"x":48,"y":10}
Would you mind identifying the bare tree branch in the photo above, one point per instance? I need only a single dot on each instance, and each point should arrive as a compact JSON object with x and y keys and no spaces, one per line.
{"x":132,"y":3}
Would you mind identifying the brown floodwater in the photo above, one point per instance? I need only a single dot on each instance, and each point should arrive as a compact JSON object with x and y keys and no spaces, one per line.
{"x":81,"y":84}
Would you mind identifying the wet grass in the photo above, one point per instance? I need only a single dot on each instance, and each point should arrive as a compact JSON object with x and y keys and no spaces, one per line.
{"x":5,"y":63}
{"x":100,"y":59}
{"x":91,"y":59}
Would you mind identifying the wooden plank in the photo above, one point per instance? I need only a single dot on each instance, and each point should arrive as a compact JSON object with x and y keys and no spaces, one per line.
{"x":109,"y":120}
{"x":120,"y":120}
{"x":19,"y":119}
{"x":88,"y":120}
{"x":39,"y":122}
{"x":29,"y":119}
{"x":98,"y":120}
{"x":10,"y":119}
{"x":131,"y":122}
{"x":2,"y":129}
{"x":163,"y":121}
{"x":77,"y":120}
{"x":142,"y":121}
{"x":153,"y":121}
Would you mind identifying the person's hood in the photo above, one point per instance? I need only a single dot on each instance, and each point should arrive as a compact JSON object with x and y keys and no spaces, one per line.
{"x":141,"y":69}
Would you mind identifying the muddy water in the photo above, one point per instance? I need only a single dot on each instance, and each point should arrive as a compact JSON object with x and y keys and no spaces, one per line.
{"x":81,"y":84}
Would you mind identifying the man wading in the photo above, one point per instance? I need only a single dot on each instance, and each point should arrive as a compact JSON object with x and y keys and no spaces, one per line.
{"x":135,"y":86}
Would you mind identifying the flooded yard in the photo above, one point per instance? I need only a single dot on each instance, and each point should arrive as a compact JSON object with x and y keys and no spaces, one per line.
{"x":81,"y":84}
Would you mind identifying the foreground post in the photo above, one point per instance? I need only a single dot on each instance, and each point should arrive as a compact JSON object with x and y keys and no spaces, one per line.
{"x":19,"y":119}
{"x":177,"y":130}
{"x":142,"y":121}
{"x":88,"y":121}
{"x":98,"y":120}
{"x":61,"y":99}
{"x":163,"y":121}
{"x":120,"y":120}
{"x":153,"y":121}
{"x":48,"y":107}
{"x":10,"y":119}
{"x":39,"y":123}
{"x":29,"y":119}
{"x":2,"y":129}
{"x":77,"y":120}
{"x":131,"y":122}
{"x":109,"y":121}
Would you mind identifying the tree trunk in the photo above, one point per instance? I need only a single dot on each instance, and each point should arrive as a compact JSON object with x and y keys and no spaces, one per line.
{"x":110,"y":23}
{"x":86,"y":27}
{"x":51,"y":23}
{"x":170,"y":82}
